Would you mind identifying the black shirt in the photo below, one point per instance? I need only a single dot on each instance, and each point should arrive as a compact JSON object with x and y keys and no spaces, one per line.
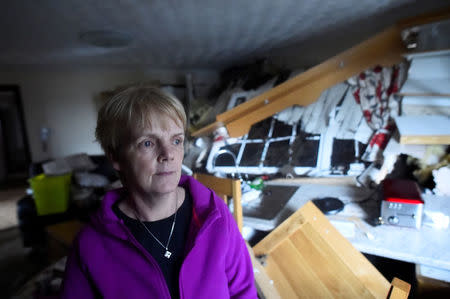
{"x":170,"y":267}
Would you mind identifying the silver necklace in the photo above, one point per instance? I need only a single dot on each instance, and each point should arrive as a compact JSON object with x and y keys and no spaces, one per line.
{"x":167,"y":254}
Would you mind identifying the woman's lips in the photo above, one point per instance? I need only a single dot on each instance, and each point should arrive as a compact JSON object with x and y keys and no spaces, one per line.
{"x":165,"y":173}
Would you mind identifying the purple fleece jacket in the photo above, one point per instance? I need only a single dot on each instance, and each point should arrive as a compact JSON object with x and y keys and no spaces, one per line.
{"x":107,"y":261}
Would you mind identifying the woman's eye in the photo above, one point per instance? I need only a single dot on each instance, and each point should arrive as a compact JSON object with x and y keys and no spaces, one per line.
{"x":178,"y":141}
{"x":147,"y":143}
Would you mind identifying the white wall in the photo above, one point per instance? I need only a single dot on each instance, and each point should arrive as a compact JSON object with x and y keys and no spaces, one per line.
{"x":63,"y":100}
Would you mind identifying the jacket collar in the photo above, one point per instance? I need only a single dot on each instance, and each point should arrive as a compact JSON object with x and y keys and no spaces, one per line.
{"x":204,"y":209}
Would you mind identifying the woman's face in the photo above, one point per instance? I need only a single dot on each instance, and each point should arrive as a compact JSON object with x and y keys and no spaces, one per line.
{"x":151,"y":163}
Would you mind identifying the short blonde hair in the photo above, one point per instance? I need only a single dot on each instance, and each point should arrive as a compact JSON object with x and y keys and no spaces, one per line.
{"x":131,"y":109}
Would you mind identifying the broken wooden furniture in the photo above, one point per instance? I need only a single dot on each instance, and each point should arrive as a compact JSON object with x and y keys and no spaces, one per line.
{"x":225,"y":188}
{"x":306,"y":257}
{"x":65,"y":232}
{"x":385,"y":49}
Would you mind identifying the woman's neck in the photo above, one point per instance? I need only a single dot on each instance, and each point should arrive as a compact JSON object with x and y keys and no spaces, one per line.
{"x":152,"y":207}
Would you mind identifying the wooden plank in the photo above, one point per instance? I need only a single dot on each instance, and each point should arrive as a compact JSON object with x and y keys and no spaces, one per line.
{"x":385,"y":48}
{"x":279,"y":280}
{"x":279,"y":234}
{"x":400,"y":289}
{"x":237,"y":205}
{"x":425,"y":139}
{"x":361,"y":267}
{"x":65,"y":232}
{"x":328,"y":267}
{"x":350,"y":256}
{"x":264,"y":284}
{"x":387,"y":40}
{"x":298,"y":274}
{"x":219,"y":185}
{"x":225,"y":187}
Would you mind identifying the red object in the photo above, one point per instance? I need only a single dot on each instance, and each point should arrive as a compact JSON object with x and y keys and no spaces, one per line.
{"x":401,"y":191}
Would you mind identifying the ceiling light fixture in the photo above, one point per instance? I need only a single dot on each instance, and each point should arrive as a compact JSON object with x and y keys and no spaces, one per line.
{"x":106,"y":38}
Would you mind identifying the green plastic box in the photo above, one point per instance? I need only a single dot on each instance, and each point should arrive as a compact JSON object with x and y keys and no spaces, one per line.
{"x":51,"y":193}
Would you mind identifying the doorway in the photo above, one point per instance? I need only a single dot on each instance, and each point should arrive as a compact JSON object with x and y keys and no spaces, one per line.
{"x":14,"y":149}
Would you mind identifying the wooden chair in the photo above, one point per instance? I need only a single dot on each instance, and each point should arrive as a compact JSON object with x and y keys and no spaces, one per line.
{"x":225,"y":188}
{"x":65,"y":232}
{"x":306,"y":257}
{"x":232,"y":187}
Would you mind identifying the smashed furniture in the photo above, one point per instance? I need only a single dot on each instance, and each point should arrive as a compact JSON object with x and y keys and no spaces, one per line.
{"x":225,"y":188}
{"x":306,"y":257}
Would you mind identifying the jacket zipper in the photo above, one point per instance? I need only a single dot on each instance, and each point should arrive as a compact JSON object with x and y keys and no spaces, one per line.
{"x":209,"y":221}
{"x":149,"y":258}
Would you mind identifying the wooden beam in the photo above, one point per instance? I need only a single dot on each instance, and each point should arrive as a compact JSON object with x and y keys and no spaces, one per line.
{"x":385,"y":48}
{"x":424,"y":139}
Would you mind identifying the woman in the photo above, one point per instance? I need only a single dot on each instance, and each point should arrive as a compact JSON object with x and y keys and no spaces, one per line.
{"x":163,"y":235}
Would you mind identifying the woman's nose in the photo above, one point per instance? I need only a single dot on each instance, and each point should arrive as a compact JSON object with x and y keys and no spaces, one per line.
{"x":166,"y":153}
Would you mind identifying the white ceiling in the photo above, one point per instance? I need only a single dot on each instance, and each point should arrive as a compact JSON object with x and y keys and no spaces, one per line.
{"x":193,"y":34}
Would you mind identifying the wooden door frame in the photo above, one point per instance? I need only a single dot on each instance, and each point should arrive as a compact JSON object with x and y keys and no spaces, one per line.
{"x":18,"y":100}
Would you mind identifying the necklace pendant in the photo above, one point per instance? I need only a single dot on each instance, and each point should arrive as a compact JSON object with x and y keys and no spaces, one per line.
{"x":168,"y":254}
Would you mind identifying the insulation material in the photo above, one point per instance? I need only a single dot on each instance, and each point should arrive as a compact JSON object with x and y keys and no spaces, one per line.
{"x":290,"y":115}
{"x":314,"y":117}
{"x":441,"y":178}
{"x":348,"y":118}
{"x":319,"y":111}
{"x":364,"y":132}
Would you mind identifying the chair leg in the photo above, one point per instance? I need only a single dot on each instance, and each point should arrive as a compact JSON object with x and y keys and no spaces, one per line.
{"x":399,"y":289}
